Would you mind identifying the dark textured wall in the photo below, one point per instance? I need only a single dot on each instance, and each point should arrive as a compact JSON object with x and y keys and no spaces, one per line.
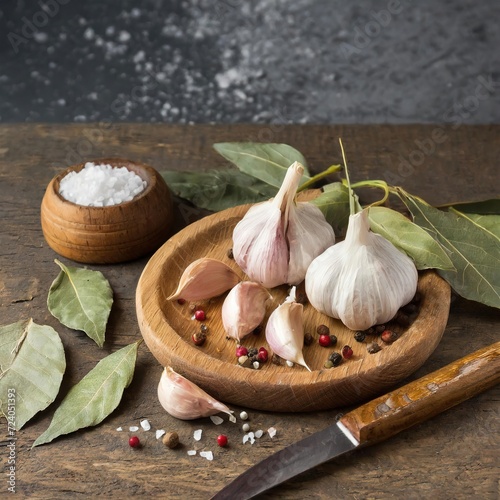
{"x":281,"y":61}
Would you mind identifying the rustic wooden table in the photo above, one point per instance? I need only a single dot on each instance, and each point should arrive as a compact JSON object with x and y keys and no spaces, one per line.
{"x":454,"y":455}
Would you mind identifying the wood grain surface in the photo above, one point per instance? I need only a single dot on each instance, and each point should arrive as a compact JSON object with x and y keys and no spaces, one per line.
{"x":454,"y":455}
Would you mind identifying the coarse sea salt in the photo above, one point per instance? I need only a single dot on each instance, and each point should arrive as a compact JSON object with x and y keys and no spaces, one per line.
{"x":145,"y":425}
{"x":101,"y":185}
{"x":197,"y":434}
{"x":207,"y":454}
{"x":216,"y":419}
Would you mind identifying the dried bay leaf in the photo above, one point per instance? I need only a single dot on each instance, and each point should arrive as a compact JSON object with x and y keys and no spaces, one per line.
{"x":32,"y":364}
{"x":218,"y":189}
{"x":81,"y":299}
{"x":334,"y":203}
{"x":488,"y":223}
{"x":485,"y":207}
{"x":265,"y":161}
{"x":474,"y":253}
{"x":95,"y":397}
{"x":410,"y":238}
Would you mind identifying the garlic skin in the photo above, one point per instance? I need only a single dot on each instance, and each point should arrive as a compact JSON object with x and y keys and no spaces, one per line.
{"x":244,"y":309}
{"x":363,"y":280}
{"x":203,"y":279}
{"x":276,"y":240}
{"x":285,"y":330}
{"x":185,"y":400}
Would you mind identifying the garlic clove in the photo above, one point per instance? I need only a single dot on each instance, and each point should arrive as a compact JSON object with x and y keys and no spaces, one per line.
{"x":244,"y":308}
{"x":285,"y":330}
{"x":260,"y":247}
{"x":185,"y":400}
{"x":363,"y":280}
{"x":304,"y":221}
{"x":203,"y":279}
{"x":276,"y":240}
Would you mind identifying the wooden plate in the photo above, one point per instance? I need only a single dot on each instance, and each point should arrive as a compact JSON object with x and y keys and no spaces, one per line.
{"x":167,"y":328}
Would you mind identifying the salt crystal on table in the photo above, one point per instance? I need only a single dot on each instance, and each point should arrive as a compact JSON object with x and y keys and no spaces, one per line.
{"x":159,"y":433}
{"x":119,"y":429}
{"x":271,"y":431}
{"x":207,"y":454}
{"x":133,"y":428}
{"x":197,"y":434}
{"x":145,"y":425}
{"x":232,"y":418}
{"x":216,"y":420}
{"x":191,"y":452}
{"x":259,"y":433}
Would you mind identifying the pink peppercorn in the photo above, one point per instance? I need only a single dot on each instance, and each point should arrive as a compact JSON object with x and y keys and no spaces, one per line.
{"x":262,"y":355}
{"x":241,"y":351}
{"x":200,"y":315}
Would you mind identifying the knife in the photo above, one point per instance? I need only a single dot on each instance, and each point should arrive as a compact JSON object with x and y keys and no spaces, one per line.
{"x":373,"y":422}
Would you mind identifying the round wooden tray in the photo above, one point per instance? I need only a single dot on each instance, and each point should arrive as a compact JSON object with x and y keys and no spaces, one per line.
{"x":167,"y":328}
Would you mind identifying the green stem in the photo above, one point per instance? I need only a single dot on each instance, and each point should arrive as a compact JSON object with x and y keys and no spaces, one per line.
{"x":352,"y":205}
{"x":375,"y":184}
{"x":330,"y":170}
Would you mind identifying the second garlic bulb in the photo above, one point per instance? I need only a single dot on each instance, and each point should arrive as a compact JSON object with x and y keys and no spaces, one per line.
{"x":363,"y":280}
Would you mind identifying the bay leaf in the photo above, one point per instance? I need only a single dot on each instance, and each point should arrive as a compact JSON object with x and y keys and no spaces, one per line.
{"x":488,"y":223}
{"x":411,"y":239}
{"x":81,"y":299}
{"x":265,"y":161}
{"x":474,"y":253}
{"x":218,"y":189}
{"x":95,"y":397}
{"x":32,"y":365}
{"x":485,"y":207}
{"x":334,"y":203}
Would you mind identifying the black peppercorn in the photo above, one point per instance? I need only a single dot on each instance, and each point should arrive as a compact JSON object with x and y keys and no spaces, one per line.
{"x":333,"y":340}
{"x":402,"y":319}
{"x":335,"y":358}
{"x":360,"y":336}
{"x":203,"y":328}
{"x":252,"y":351}
{"x":230,"y":254}
{"x":323,"y":330}
{"x":308,"y":339}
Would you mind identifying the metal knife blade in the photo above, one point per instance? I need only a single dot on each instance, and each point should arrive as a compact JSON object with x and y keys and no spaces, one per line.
{"x":289,"y":462}
{"x":374,"y":421}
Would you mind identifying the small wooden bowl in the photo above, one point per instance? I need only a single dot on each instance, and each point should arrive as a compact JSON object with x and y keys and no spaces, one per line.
{"x":107,"y":235}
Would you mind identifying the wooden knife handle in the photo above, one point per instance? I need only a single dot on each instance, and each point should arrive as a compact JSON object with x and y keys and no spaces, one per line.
{"x":425,"y":397}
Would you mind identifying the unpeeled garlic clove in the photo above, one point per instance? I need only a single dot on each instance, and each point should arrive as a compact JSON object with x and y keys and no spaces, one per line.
{"x":276,"y":240}
{"x":285,"y":330}
{"x":185,"y":400}
{"x":203,"y":279}
{"x":244,"y":308}
{"x":363,"y":280}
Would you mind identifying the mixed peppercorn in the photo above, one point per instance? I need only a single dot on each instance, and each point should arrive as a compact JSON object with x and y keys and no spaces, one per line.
{"x":374,"y":337}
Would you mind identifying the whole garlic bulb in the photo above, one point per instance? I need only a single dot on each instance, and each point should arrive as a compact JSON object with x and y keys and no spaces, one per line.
{"x":363,"y":280}
{"x":276,"y":240}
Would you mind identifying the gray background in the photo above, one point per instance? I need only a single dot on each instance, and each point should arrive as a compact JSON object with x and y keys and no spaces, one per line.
{"x":302,"y":61}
